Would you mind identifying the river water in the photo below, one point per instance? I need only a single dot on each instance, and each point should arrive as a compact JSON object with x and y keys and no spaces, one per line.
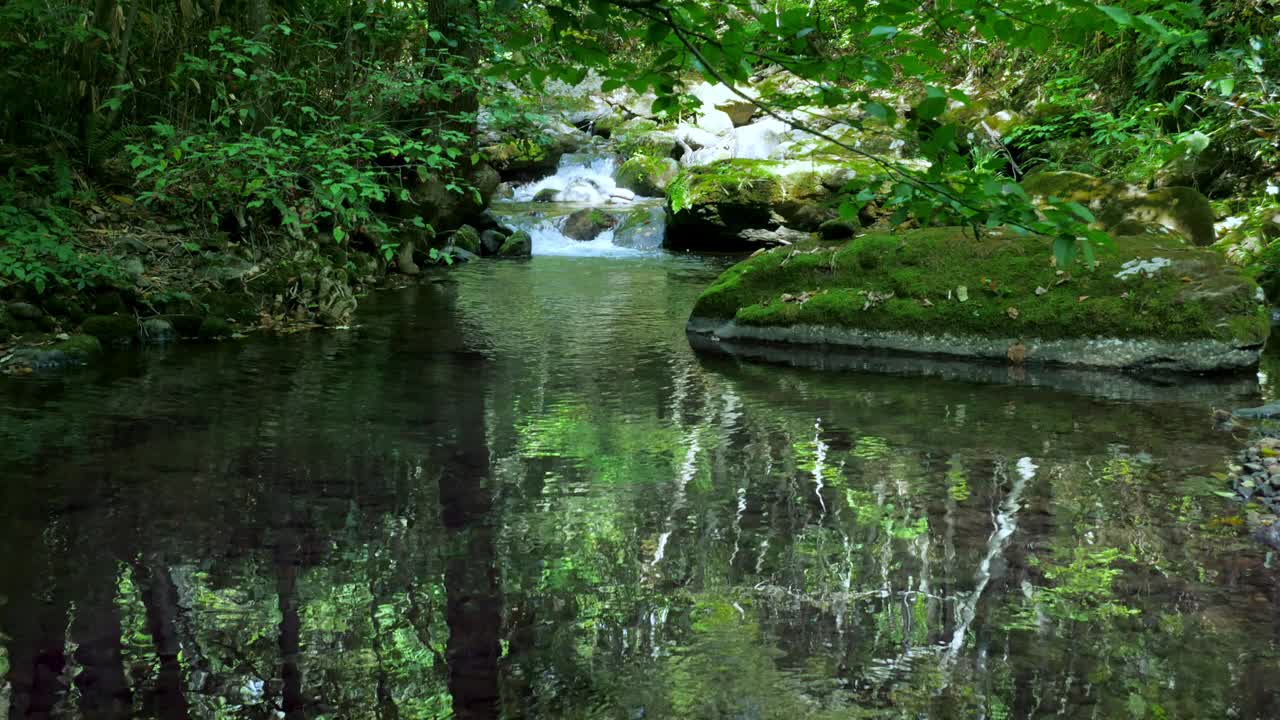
{"x":513,"y":490}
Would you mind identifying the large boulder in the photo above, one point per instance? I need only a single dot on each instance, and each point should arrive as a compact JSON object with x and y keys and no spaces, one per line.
{"x":1151,"y":303}
{"x":646,"y":175}
{"x":1178,"y":209}
{"x":586,"y":225}
{"x":518,"y":245}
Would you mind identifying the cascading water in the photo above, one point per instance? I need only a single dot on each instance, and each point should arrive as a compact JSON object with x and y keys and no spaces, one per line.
{"x":584,"y":181}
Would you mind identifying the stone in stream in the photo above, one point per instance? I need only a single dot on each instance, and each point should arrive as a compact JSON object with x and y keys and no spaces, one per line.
{"x":646,"y":175}
{"x":491,"y":241}
{"x":586,"y":225}
{"x":466,"y":238}
{"x":1264,"y":412}
{"x":25,"y":311}
{"x":546,"y":195}
{"x":157,"y":331}
{"x":711,"y":205}
{"x":518,"y":245}
{"x":642,"y":228}
{"x":941,"y":291}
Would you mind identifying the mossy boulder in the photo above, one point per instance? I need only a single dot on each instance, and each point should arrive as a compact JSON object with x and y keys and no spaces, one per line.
{"x":111,"y":329}
{"x":711,"y":205}
{"x":1180,"y":209}
{"x":79,"y":347}
{"x":1150,"y":303}
{"x":646,"y":175}
{"x":212,"y":328}
{"x":586,"y":225}
{"x":546,"y":195}
{"x":467,"y":238}
{"x":518,"y":245}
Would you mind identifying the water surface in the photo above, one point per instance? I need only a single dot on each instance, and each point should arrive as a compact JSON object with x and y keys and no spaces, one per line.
{"x":515,"y":491}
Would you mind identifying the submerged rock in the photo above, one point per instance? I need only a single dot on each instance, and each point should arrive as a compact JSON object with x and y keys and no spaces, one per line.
{"x":1118,"y":205}
{"x":940,"y":291}
{"x":642,"y":229}
{"x":587,"y":224}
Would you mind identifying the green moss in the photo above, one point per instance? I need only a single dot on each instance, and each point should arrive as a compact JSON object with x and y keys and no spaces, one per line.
{"x":910,"y":281}
{"x":467,"y":238}
{"x":212,"y":328}
{"x":111,"y":329}
{"x":79,"y":347}
{"x":647,"y":175}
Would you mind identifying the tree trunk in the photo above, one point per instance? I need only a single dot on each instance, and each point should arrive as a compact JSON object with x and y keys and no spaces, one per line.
{"x":160,"y":599}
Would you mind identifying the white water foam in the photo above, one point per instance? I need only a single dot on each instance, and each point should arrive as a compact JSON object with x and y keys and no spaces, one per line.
{"x":579,"y":178}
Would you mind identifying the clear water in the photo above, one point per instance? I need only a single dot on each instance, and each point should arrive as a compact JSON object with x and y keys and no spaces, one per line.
{"x":515,"y":491}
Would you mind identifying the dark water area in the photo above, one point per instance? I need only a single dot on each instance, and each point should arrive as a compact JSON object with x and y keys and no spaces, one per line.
{"x":515,"y":491}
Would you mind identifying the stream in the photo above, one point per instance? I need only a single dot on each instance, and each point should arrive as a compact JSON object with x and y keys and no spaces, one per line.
{"x":514,"y":490}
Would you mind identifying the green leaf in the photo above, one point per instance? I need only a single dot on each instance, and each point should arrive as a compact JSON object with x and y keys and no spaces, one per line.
{"x":1119,"y":16}
{"x":1064,"y":251}
{"x":1080,"y":211}
{"x":339,"y":234}
{"x":885,"y":31}
{"x":1196,"y":142}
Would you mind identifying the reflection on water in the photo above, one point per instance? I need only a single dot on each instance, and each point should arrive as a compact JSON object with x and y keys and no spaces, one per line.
{"x":516,"y":492}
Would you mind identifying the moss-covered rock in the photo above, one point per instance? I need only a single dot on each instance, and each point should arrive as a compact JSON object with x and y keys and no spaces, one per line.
{"x":79,"y":347}
{"x":646,"y":175}
{"x":467,"y":238}
{"x":1151,"y":302}
{"x":111,"y":329}
{"x":212,"y":328}
{"x":587,"y":224}
{"x":546,"y":195}
{"x":712,"y":205}
{"x":1180,"y":209}
{"x":518,"y":245}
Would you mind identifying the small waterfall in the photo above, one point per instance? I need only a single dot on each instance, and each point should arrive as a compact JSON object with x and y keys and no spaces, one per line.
{"x":579,"y":178}
{"x":584,"y":181}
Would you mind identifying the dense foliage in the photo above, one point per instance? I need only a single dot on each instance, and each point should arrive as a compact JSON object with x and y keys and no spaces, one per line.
{"x":314,"y":120}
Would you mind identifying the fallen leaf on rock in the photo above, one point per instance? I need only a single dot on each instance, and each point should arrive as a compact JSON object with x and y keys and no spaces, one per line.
{"x":925,"y":302}
{"x":1012,"y":313}
{"x":1082,"y":298}
{"x":1041,"y":291}
{"x":1187,"y":279}
{"x":962,"y":293}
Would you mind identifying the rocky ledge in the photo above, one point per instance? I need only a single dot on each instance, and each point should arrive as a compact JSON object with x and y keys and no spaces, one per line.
{"x":1151,"y":303}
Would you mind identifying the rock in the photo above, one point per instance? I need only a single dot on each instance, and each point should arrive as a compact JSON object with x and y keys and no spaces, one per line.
{"x":79,"y":347}
{"x":404,"y":256}
{"x":622,"y":195}
{"x":109,"y":302}
{"x":212,"y":328}
{"x":904,"y":292}
{"x":491,"y":241}
{"x":770,"y":238}
{"x":647,"y":176}
{"x":546,"y":195}
{"x":466,"y":238}
{"x":505,"y":191}
{"x":133,"y":266}
{"x":740,"y":112}
{"x":518,"y":245}
{"x":25,"y":311}
{"x":587,"y":224}
{"x":839,"y":229}
{"x":157,"y":331}
{"x":711,"y":205}
{"x":111,"y":329}
{"x":458,"y":254}
{"x":641,"y":229}
{"x":1180,"y":209}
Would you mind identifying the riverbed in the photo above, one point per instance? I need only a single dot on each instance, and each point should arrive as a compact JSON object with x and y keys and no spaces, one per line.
{"x":514,"y":490}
